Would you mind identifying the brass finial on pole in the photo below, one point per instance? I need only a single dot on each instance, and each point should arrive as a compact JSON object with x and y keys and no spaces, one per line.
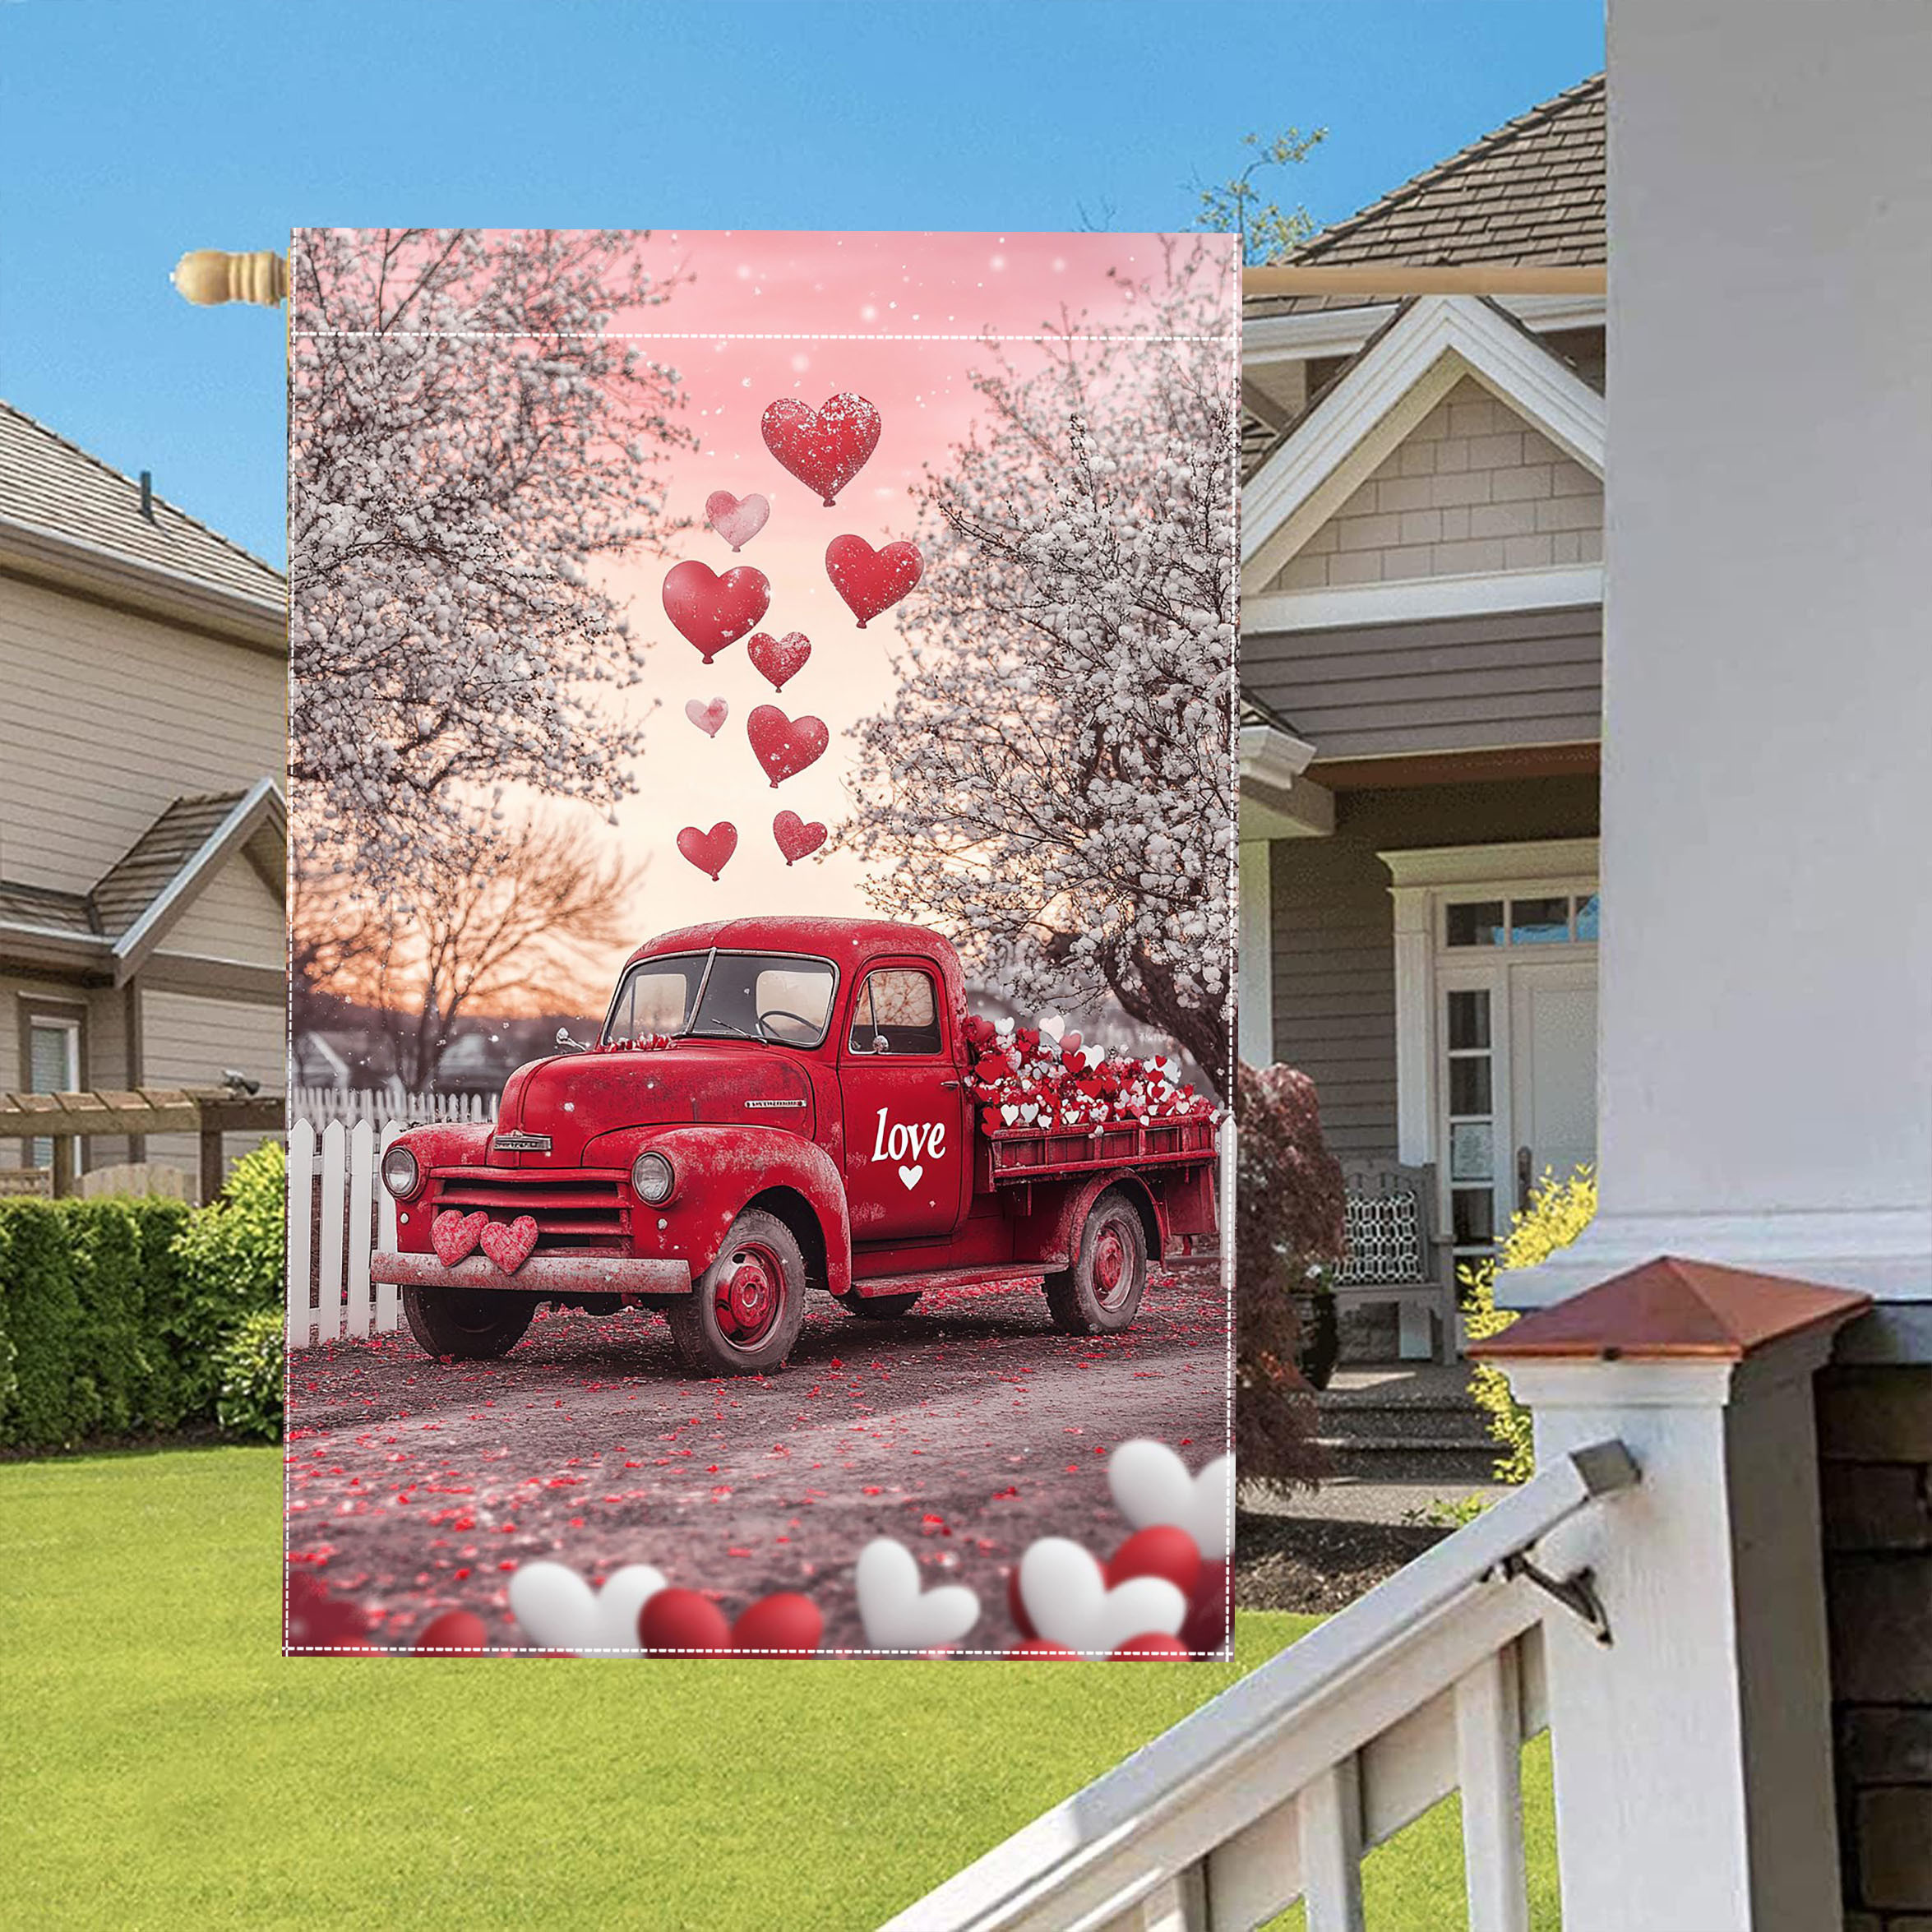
{"x":208,"y":276}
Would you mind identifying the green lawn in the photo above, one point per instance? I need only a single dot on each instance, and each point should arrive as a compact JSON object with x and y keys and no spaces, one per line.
{"x":161,"y":1763}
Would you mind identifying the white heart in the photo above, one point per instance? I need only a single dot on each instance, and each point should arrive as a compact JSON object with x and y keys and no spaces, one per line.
{"x":896,"y":1614}
{"x":1030,"y":1113}
{"x":1003,"y":1026}
{"x":559,"y":1611}
{"x":1067,"y":1600}
{"x":1091,"y":1058}
{"x":1150,"y":1485}
{"x":1051,"y":1027}
{"x":910,"y":1176}
{"x":1009,"y":1114}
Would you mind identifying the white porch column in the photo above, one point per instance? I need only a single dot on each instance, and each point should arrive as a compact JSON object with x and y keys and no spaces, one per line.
{"x":1254,"y":991}
{"x":1693,"y":1751}
{"x":1766,"y":1003}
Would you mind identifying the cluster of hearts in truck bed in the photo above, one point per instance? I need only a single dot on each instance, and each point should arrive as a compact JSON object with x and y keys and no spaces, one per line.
{"x":1046,"y":1080}
{"x":824,"y":448}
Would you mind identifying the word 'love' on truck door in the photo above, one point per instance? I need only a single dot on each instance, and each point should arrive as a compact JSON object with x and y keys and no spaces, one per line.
{"x":906,"y":1147}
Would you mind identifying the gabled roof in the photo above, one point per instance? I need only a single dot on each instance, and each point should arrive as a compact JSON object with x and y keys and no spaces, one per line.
{"x":136,"y":879}
{"x":1531,"y":192}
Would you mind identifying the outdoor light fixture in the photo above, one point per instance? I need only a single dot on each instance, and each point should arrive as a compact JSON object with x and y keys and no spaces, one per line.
{"x":400,"y":1174}
{"x":653,"y":1178}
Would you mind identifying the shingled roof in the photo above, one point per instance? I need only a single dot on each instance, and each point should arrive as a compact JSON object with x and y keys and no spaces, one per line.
{"x":51,"y":485}
{"x":137,"y":878}
{"x":1531,"y":192}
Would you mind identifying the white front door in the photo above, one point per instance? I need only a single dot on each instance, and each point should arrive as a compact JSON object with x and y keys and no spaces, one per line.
{"x":1553,"y":1071}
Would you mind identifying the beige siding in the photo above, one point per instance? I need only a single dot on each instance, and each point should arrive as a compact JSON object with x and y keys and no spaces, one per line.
{"x":1473,"y":489}
{"x":235,"y":917}
{"x":104,"y":1045}
{"x":190,"y":1042}
{"x":110,"y":716}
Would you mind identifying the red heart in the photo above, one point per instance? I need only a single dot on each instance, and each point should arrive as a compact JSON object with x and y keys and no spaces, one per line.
{"x":453,"y":1235}
{"x":784,"y":748}
{"x":709,"y":610}
{"x":1163,"y":1549}
{"x":780,"y":658}
{"x":786,"y":1621}
{"x":825,"y":447}
{"x":736,"y":519}
{"x":1153,"y":1644}
{"x":1069,"y":1042}
{"x":455,"y":1630}
{"x":872,"y":580}
{"x":1206,"y":1628}
{"x":710,"y":851}
{"x":681,"y":1619}
{"x":508,"y":1243}
{"x":709,"y":719}
{"x":796,"y":840}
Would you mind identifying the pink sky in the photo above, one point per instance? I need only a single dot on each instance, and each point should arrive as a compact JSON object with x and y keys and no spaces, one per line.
{"x":763,"y":316}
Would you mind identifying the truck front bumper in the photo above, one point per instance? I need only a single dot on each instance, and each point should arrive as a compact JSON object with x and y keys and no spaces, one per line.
{"x":541,"y":1274}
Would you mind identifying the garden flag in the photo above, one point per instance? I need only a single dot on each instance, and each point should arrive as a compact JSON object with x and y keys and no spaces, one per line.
{"x":764,"y":803}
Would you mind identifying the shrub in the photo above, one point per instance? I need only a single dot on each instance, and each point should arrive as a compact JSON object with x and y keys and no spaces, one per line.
{"x":1287,"y":1227}
{"x":249,"y":1364}
{"x":1558,"y":1211}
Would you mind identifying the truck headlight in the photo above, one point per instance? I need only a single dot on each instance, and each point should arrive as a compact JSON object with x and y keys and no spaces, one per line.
{"x":653,"y":1177}
{"x":400,"y":1174}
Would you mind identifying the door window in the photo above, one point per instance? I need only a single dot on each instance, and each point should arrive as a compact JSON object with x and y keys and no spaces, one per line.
{"x":897,"y":1012}
{"x":1472,"y":1122}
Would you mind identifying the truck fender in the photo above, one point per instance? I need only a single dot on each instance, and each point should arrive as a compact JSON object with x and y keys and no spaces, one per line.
{"x":1057,"y":1239}
{"x":722,"y":1170}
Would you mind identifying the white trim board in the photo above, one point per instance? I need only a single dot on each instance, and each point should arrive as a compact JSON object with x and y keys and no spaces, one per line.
{"x":1384,"y":394}
{"x":1532,"y":862}
{"x":1418,"y":599}
{"x":1342,"y":331}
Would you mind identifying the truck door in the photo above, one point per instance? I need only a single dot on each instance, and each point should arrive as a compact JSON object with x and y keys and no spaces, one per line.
{"x":908,"y":1155}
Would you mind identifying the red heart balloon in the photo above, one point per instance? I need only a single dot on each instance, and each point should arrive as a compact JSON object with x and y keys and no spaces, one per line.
{"x":710,"y":851}
{"x":825,"y":447}
{"x":709,"y":610}
{"x":1206,"y":1628}
{"x":509,"y":1243}
{"x":736,"y":519}
{"x":1153,"y":1643}
{"x":786,"y":1621}
{"x":453,"y":1235}
{"x":455,"y":1630}
{"x":1163,"y":1549}
{"x":779,"y":659}
{"x":784,"y":746}
{"x":681,"y":1619}
{"x":796,"y":840}
{"x":872,"y":580}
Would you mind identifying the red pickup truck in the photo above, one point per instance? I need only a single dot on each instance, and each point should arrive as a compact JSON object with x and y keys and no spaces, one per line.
{"x":777,"y":1105}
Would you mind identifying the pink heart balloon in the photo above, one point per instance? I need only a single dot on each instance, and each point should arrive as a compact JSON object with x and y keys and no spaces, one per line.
{"x":709,"y":719}
{"x":736,"y":519}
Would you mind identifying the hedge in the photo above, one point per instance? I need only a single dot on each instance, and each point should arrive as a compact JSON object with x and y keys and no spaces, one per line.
{"x":115,"y":1314}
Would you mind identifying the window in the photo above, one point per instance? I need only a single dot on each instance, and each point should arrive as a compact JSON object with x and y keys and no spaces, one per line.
{"x":1471,"y":1121}
{"x":53,"y":1066}
{"x":1545,"y":919}
{"x":897,"y":1012}
{"x":781,"y":997}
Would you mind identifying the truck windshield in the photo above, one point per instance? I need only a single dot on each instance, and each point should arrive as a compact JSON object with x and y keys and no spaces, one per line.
{"x":785,"y":997}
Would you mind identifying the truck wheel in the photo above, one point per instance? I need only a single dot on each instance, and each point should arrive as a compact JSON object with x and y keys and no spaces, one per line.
{"x":468,"y":1323}
{"x":1101,"y":1292}
{"x":744,"y":1312}
{"x":878,"y":1307}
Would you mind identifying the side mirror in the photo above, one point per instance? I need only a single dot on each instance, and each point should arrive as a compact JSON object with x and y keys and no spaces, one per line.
{"x":569,"y":1045}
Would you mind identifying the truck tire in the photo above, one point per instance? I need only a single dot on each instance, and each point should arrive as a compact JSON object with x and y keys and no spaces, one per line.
{"x":878,"y":1307}
{"x":469,"y":1323}
{"x":1100,"y":1294}
{"x":744,"y":1312}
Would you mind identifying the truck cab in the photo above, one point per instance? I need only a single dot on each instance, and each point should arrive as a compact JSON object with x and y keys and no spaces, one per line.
{"x":772,"y":1107}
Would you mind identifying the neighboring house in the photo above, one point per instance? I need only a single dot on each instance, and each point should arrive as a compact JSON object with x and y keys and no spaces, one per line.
{"x":143,"y":733}
{"x":1422,"y":545}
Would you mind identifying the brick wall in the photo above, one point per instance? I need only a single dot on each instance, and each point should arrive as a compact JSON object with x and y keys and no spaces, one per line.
{"x":1472,"y":488}
{"x":1875,"y":1439}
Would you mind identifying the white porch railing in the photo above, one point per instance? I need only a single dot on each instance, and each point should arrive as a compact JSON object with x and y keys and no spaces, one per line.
{"x":1273,"y":1792}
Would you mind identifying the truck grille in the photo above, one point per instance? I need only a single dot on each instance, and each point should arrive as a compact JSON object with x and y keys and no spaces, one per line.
{"x":580,"y":1214}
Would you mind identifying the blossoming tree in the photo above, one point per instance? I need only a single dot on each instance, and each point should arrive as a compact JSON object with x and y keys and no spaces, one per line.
{"x":1054,"y":780}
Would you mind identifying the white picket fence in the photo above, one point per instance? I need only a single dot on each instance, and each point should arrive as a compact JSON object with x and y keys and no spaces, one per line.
{"x":331,"y":1241}
{"x":320,"y":1105}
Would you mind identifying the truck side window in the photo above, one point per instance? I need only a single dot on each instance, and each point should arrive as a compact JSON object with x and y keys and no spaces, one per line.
{"x":897,"y":1006}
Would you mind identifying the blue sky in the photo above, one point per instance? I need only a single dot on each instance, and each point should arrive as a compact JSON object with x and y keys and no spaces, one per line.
{"x":131,"y":132}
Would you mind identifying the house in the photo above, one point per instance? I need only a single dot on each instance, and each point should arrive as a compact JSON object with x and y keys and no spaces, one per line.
{"x":1422,"y":621}
{"x":1716,"y":1593}
{"x":143,"y":733}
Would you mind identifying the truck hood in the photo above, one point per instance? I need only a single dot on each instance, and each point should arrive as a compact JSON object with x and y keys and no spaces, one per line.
{"x":574,"y":1098}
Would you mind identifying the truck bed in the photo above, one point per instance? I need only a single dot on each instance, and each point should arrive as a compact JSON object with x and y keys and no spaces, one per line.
{"x":1013,"y":1154}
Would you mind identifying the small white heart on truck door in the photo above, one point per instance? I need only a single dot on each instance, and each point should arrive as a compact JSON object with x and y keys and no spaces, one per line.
{"x":910,"y":1176}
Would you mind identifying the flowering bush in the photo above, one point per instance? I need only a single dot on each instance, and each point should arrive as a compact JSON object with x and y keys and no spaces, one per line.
{"x":1559,"y":1211}
{"x":1287,"y":1227}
